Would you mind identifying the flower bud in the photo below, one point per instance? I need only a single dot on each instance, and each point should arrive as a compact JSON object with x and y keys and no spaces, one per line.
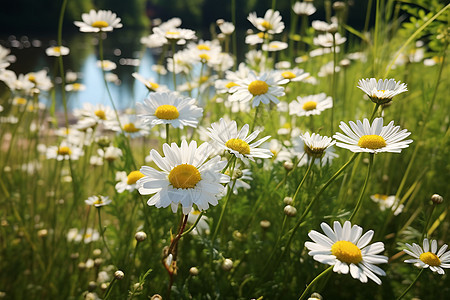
{"x":288,"y":200}
{"x":315,"y":296}
{"x":338,"y":5}
{"x":290,"y":211}
{"x":437,"y":199}
{"x":74,"y":255}
{"x":288,"y":166}
{"x":92,"y":286}
{"x":42,"y":233}
{"x":97,"y":252}
{"x":265,"y":224}
{"x":119,"y":275}
{"x":98,"y":261}
{"x":227,"y":264}
{"x":140,"y":236}
{"x":156,"y":297}
{"x":193,"y":271}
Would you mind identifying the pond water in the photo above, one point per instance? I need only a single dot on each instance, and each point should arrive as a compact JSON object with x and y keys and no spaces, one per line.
{"x":123,"y":47}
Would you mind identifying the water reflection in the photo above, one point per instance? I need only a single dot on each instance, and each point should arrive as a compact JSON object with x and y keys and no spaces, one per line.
{"x":121,"y":47}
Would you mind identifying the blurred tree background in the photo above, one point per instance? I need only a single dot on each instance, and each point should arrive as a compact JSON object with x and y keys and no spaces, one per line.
{"x":26,"y":16}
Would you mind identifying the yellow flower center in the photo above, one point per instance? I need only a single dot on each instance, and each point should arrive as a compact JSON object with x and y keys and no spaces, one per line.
{"x":238,"y":145}
{"x":382,"y":91}
{"x":57,"y":49}
{"x":172,"y":33}
{"x":430,"y":259}
{"x":130,"y":128}
{"x":98,"y":201}
{"x":266,"y":25}
{"x":167,"y":112}
{"x":184,"y":176}
{"x":133,"y":177}
{"x":346,"y":252}
{"x":371,"y":141}
{"x":203,"y":47}
{"x":101,"y":114}
{"x":204,"y":79}
{"x":195,"y":212}
{"x":381,"y":197}
{"x":100,"y":24}
{"x":258,"y":87}
{"x":87,"y":235}
{"x":274,"y":46}
{"x":32,"y":78}
{"x":230,"y":84}
{"x":76,"y":86}
{"x":309,"y":105}
{"x":288,"y":75}
{"x":64,"y":150}
{"x":20,"y":101}
{"x":152,"y":86}
{"x":262,"y":35}
{"x":204,"y":56}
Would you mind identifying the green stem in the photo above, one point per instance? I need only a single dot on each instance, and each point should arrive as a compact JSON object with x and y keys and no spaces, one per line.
{"x":167,"y":133}
{"x":174,"y":75}
{"x":222,"y":213}
{"x":410,"y":286}
{"x":374,"y":112}
{"x":333,"y":84}
{"x":195,"y":224}
{"x":425,"y":121}
{"x":307,"y":291}
{"x":428,"y":222}
{"x":102,"y":231}
{"x":303,"y":180}
{"x":308,"y":208}
{"x":109,"y":289}
{"x":255,"y":117}
{"x":60,"y":62}
{"x":233,"y":36}
{"x":361,"y":195}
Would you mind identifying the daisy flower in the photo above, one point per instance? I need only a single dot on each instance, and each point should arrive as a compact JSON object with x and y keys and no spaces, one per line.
{"x":150,"y":84}
{"x":381,"y":91}
{"x":385,"y":201}
{"x":324,"y":26}
{"x":227,"y":137}
{"x":169,"y":108}
{"x":110,"y":153}
{"x":327,"y":40}
{"x":315,"y":145}
{"x":98,"y":201}
{"x":264,"y":88}
{"x":95,"y":21}
{"x":294,"y":74}
{"x":310,"y":105}
{"x":424,"y":258}
{"x":64,"y":151}
{"x":127,"y":182}
{"x":187,"y":178}
{"x":274,"y":46}
{"x":271,"y":22}
{"x":106,"y":65}
{"x":131,"y":126}
{"x":57,"y":51}
{"x":344,"y":248}
{"x":303,"y":8}
{"x":226,"y":28}
{"x":75,"y":87}
{"x":178,"y":35}
{"x":375,"y":138}
{"x":95,"y":114}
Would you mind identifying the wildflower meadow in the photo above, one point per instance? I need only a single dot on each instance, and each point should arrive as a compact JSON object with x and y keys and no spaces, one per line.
{"x":299,"y":157}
